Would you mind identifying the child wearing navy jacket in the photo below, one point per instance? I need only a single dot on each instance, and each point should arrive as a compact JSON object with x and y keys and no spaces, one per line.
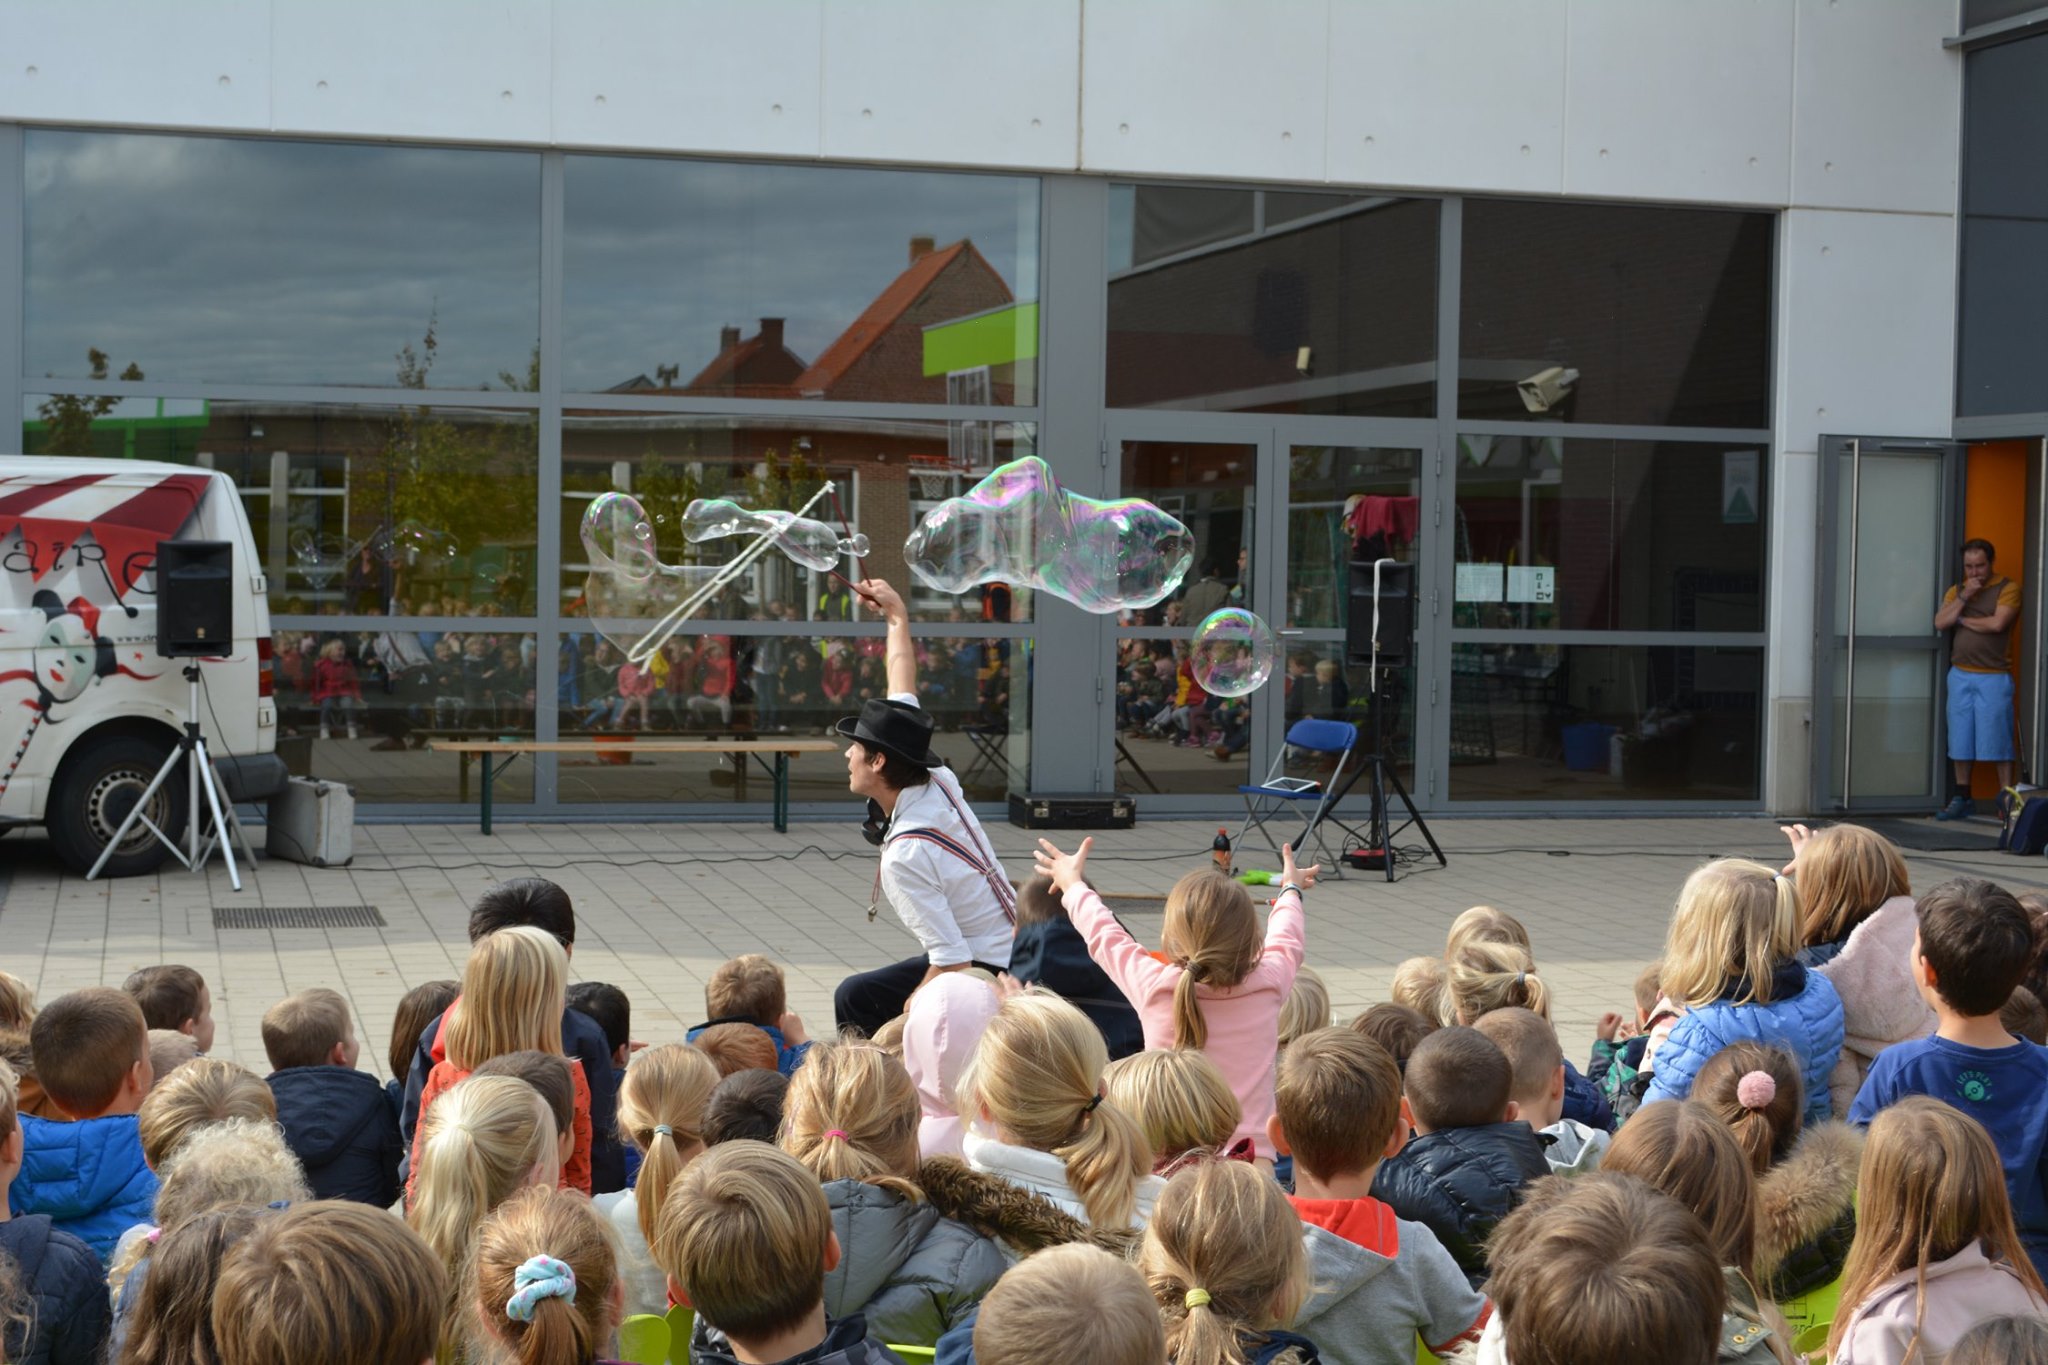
{"x":338,"y":1121}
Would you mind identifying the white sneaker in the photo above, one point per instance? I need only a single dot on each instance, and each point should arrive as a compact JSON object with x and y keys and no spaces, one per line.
{"x":324,"y":734}
{"x":352,"y":732}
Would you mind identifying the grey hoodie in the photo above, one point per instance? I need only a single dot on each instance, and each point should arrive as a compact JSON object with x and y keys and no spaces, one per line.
{"x":1367,"y":1305}
{"x":909,"y":1270}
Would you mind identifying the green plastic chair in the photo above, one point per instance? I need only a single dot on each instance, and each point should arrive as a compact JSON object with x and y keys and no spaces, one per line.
{"x":1815,"y":1308}
{"x":1811,"y":1343}
{"x":681,"y":1322}
{"x":915,"y":1352}
{"x":644,"y":1340}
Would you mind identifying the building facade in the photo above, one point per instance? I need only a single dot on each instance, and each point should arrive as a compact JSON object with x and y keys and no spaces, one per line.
{"x":1674,"y":346}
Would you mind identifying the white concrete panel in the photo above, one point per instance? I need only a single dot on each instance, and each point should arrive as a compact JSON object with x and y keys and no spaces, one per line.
{"x":137,"y":62}
{"x":732,"y":76}
{"x":1795,"y":497}
{"x":472,"y":70}
{"x":1205,"y":87}
{"x":1877,"y":106}
{"x":1675,"y":99}
{"x":1467,"y":96}
{"x":1866,"y":333}
{"x":990,"y":84}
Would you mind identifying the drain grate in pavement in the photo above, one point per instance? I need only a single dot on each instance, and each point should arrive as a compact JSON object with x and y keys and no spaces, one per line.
{"x":297,"y":917}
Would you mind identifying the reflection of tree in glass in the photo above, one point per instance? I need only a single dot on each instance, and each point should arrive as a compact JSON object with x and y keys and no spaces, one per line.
{"x":666,"y":486}
{"x":69,"y":418}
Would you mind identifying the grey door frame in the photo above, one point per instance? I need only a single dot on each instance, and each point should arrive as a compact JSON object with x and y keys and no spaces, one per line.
{"x":1837,"y":515}
{"x":1272,"y":436}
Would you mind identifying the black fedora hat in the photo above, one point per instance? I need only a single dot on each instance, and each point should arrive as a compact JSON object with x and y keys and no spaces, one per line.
{"x":894,"y":727}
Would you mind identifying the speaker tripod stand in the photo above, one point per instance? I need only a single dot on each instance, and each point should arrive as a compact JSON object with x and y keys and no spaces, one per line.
{"x":1375,"y":768}
{"x":199,"y":776}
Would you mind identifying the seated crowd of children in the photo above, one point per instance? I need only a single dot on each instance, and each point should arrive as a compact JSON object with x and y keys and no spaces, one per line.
{"x":1822,"y":1133}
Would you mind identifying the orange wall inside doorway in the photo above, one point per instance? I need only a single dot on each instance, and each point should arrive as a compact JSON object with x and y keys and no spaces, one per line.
{"x":1995,"y":509}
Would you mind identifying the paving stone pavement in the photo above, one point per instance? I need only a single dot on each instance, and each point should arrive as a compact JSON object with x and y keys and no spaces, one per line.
{"x":659,"y":906}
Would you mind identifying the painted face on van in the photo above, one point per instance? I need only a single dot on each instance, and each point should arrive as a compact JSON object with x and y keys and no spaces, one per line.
{"x":64,"y":658}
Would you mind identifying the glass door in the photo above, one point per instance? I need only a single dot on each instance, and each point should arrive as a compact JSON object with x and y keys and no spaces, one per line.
{"x":1888,"y":514}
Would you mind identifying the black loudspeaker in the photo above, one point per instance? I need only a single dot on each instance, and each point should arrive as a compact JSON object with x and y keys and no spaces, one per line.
{"x":195,"y":598}
{"x":1396,"y":602}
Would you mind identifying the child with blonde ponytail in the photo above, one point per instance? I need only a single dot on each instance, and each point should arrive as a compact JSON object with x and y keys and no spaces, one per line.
{"x":1033,"y":1097}
{"x":661,"y":1113}
{"x":479,"y":1144}
{"x":1226,"y":979}
{"x":851,"y":1118}
{"x":546,"y":1289}
{"x":1224,"y":1257}
{"x":1731,"y":963}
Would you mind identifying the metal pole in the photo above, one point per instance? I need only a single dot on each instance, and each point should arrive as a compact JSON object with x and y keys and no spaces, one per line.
{"x":1849,"y":679}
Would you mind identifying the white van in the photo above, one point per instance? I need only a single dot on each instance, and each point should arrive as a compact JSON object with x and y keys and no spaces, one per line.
{"x":88,"y":708}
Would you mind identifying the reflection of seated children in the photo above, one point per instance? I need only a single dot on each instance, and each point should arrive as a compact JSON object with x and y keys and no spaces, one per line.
{"x":447,"y":680}
{"x":636,"y":691}
{"x":1230,"y":725}
{"x":873,"y":680}
{"x":1141,"y":698}
{"x":800,"y":685}
{"x":995,"y":696}
{"x":1301,"y":667}
{"x":713,"y":698}
{"x":513,"y":687}
{"x":336,"y":688}
{"x":838,"y":682}
{"x":1326,"y":696}
{"x":477,"y":673}
{"x":600,"y":684}
{"x":967,"y":675}
{"x":1177,"y":719}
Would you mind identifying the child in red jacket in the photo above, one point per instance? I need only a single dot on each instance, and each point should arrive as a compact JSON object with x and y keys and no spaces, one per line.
{"x":336,"y":687}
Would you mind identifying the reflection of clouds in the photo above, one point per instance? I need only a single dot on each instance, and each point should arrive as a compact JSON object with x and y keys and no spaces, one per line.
{"x":251,"y":261}
{"x":661,"y":254}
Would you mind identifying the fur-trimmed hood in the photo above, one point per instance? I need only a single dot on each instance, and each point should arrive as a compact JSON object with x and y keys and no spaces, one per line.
{"x":1804,"y":1197}
{"x":1023,"y":1221}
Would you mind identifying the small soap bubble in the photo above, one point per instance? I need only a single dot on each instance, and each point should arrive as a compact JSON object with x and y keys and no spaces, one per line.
{"x":319,"y":559}
{"x":812,"y":544}
{"x":1233,"y":653}
{"x":1018,"y":526}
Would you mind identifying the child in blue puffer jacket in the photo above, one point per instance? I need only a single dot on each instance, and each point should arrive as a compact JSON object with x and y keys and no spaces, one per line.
{"x":1730,"y":962}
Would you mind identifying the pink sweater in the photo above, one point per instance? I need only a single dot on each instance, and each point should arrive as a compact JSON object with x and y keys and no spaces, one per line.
{"x":1243,"y":1020}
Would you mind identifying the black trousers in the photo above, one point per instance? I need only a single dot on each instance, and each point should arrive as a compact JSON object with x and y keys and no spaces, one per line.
{"x":868,"y":1000}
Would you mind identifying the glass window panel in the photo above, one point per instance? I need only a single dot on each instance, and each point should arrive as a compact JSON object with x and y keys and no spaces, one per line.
{"x":1898,"y":551}
{"x":887,"y":474}
{"x":1664,"y":313}
{"x":2004,"y":350}
{"x":1318,"y":684}
{"x":357,"y":510}
{"x":1345,"y":502}
{"x":1209,"y":487}
{"x":1609,"y":535}
{"x":475,"y":682}
{"x":1604,"y":722}
{"x":1980,"y":12}
{"x":1335,"y":314}
{"x":761,"y":281}
{"x":1895,"y":723}
{"x":706,"y":685}
{"x":261,"y":261}
{"x":1171,"y":736}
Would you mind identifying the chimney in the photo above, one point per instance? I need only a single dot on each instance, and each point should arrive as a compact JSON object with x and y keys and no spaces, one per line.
{"x":728,"y":338}
{"x":771,"y":334}
{"x":921,"y":247}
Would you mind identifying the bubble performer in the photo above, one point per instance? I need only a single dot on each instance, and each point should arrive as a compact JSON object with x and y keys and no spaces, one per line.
{"x":938,"y":868}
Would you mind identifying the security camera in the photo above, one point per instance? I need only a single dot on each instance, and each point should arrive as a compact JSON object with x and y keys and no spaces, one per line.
{"x":1545,"y":389}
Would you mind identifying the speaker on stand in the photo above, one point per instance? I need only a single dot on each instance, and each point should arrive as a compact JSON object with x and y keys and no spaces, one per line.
{"x":195,"y":619}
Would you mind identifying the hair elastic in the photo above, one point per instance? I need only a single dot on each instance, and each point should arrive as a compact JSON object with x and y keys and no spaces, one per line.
{"x":1756,"y":1090}
{"x":1089,"y":1107}
{"x":663,"y":1130}
{"x":839,"y":1133}
{"x":540,"y":1277}
{"x":1196,"y":1298}
{"x":1521,"y":980}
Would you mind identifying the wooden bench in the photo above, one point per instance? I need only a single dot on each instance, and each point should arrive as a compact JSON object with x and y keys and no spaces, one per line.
{"x":740,"y":749}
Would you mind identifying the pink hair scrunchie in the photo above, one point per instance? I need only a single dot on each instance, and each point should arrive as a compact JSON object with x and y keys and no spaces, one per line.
{"x":1756,"y":1090}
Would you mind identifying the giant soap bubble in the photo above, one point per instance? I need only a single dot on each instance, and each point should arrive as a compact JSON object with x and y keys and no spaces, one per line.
{"x":627,"y":580}
{"x":810,"y":543}
{"x":1019,"y":526}
{"x":1233,"y":653}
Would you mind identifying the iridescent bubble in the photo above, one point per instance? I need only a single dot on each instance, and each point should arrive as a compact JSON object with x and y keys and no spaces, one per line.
{"x":1019,"y":526}
{"x":627,"y":580}
{"x":319,"y":559}
{"x":812,"y":544}
{"x":1233,"y":653}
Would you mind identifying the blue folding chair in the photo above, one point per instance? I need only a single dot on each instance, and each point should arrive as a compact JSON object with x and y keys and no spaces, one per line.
{"x":1280,"y":793}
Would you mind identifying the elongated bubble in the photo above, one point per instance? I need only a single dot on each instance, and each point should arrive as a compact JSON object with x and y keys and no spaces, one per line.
{"x":1233,"y":653}
{"x":812,"y":544}
{"x":627,"y":580}
{"x":1019,"y":526}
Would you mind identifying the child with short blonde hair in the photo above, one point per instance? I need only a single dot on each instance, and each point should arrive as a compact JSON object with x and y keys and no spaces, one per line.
{"x":168,"y":1050}
{"x":751,"y":989}
{"x":1033,"y":1097}
{"x":329,"y":1283}
{"x":1223,"y":1256}
{"x":1536,"y":1060}
{"x":1731,"y":963}
{"x":17,"y":1002}
{"x":1418,"y":984}
{"x":1225,"y":979}
{"x":340,"y":1121}
{"x":1029,"y":1317}
{"x":736,"y":1047}
{"x":746,"y":1237}
{"x":199,"y":1094}
{"x":1182,"y":1103}
{"x":1306,"y":1008}
{"x":661,"y":1113}
{"x":546,"y":1281}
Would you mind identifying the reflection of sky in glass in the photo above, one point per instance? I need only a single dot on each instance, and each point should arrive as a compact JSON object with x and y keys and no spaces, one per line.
{"x":249,"y":261}
{"x":661,"y":254}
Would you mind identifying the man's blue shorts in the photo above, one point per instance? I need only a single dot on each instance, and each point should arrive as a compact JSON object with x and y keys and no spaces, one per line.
{"x":1980,"y":716}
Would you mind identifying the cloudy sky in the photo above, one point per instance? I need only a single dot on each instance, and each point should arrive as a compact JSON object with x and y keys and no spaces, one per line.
{"x":253,"y":261}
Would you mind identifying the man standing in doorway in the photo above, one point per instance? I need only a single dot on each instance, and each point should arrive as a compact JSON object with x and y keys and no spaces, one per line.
{"x":938,"y":868}
{"x":1980,"y":612}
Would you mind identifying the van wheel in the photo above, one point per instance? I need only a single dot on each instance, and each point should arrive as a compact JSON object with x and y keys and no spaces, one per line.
{"x":98,"y":786}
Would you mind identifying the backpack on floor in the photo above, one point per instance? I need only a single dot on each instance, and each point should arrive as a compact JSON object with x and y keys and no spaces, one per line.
{"x":2026,"y":831}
